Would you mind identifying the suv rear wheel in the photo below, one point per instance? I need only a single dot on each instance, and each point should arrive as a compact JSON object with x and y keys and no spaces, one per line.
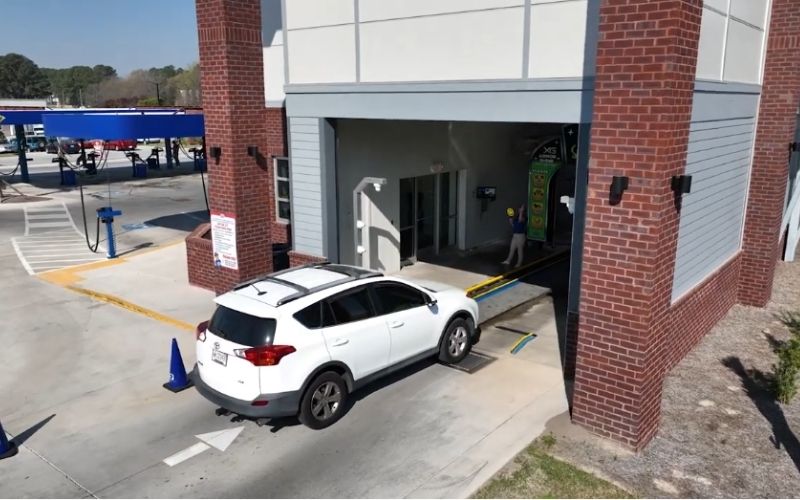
{"x":456,"y":341}
{"x":324,"y":401}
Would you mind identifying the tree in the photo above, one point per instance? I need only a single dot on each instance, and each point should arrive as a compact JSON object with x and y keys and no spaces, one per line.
{"x":185,"y":86}
{"x":101,"y":72}
{"x":21,"y":78}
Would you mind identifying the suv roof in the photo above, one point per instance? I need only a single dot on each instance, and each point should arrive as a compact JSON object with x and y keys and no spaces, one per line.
{"x":279,"y":288}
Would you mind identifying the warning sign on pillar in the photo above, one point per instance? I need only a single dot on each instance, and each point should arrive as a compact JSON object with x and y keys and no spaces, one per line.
{"x":223,"y":240}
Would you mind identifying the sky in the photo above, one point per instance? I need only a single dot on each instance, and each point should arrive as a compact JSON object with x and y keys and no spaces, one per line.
{"x":124,"y":34}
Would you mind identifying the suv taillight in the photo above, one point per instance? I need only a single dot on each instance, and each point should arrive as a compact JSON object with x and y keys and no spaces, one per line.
{"x":200,"y":331}
{"x":268,"y":355}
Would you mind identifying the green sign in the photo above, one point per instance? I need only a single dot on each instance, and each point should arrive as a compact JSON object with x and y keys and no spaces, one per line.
{"x":545,"y":162}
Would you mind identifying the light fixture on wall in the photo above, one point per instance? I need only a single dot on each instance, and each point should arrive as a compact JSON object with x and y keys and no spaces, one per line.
{"x":619,"y":184}
{"x":216,"y":153}
{"x":437,"y":167}
{"x":682,"y":184}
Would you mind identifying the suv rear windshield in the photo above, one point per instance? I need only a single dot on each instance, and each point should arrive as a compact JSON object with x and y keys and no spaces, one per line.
{"x":242,"y":328}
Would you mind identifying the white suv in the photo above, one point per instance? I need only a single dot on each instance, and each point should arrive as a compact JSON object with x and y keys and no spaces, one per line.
{"x":297,"y":342}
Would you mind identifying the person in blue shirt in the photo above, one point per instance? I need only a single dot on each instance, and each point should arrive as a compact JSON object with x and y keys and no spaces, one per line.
{"x":518,"y":223}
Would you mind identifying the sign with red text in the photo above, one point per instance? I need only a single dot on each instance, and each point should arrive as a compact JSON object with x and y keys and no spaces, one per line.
{"x":223,"y":240}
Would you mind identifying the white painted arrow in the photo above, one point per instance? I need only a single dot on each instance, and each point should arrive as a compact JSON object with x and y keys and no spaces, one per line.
{"x":220,"y":440}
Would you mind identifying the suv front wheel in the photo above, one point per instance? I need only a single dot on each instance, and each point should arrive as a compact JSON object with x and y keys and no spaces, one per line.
{"x":456,"y":341}
{"x":324,"y":401}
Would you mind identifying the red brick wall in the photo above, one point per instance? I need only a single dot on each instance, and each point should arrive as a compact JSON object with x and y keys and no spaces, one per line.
{"x":199,"y":261}
{"x":646,"y":59}
{"x":696,"y":313}
{"x":780,"y":96}
{"x":299,"y":259}
{"x":232,"y":81}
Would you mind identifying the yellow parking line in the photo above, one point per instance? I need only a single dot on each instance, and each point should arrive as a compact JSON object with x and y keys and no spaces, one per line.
{"x":130,"y":306}
{"x":69,"y":276}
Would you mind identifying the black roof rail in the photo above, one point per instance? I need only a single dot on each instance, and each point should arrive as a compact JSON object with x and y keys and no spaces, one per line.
{"x":351,"y":273}
{"x":265,"y":277}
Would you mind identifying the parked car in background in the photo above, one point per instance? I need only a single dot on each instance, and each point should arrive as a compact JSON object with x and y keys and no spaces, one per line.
{"x":9,"y":147}
{"x":121,"y":144}
{"x":69,"y":146}
{"x":36,"y":143}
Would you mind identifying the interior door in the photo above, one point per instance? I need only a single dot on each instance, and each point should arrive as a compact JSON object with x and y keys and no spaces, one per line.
{"x":407,"y":242}
{"x":448,"y":209}
{"x":410,"y":321}
{"x":360,"y":338}
{"x":425,"y":196}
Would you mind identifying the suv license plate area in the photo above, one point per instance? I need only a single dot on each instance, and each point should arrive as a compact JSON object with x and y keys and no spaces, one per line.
{"x":219,"y":357}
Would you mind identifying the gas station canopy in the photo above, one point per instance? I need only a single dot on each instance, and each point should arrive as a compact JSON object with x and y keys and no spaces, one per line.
{"x":108,"y":124}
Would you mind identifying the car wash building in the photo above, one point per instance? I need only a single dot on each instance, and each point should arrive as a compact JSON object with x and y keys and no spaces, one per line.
{"x":651,"y":139}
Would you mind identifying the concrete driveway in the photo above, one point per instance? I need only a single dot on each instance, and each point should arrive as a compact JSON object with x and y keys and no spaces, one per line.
{"x":81,"y":386}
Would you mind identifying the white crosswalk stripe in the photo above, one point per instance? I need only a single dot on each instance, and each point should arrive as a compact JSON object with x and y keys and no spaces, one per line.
{"x":52,"y":241}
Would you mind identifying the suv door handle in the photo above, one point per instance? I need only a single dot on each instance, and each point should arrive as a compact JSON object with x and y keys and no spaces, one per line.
{"x":339,"y":342}
{"x":396,"y":324}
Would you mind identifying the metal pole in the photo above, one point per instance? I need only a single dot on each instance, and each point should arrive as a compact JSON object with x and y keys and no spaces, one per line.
{"x":168,"y":147}
{"x":112,"y":247}
{"x":19,"y":130}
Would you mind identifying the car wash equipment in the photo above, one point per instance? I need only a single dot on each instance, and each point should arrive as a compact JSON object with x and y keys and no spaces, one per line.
{"x":91,"y":168}
{"x":106,"y":216}
{"x":154,"y":160}
{"x":7,"y":448}
{"x":178,"y":380}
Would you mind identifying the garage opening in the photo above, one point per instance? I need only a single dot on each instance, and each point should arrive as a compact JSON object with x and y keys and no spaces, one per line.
{"x":451,"y":192}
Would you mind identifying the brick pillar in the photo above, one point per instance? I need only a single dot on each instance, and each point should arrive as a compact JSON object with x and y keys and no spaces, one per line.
{"x":780,"y":97}
{"x":646,"y":59}
{"x":232,"y":82}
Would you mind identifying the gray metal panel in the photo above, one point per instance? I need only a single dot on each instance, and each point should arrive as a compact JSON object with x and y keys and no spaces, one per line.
{"x":719,"y":158}
{"x":547,"y":106}
{"x":304,"y":153}
{"x":537,"y":84}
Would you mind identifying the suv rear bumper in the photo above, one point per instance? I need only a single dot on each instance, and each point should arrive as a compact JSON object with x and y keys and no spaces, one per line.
{"x":284,"y":404}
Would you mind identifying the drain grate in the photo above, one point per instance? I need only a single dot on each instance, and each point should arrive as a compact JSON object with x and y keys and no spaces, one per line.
{"x":473,"y":362}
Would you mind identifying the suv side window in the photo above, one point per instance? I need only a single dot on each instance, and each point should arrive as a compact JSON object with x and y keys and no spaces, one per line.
{"x":316,"y":315}
{"x":352,"y":306}
{"x":396,"y":297}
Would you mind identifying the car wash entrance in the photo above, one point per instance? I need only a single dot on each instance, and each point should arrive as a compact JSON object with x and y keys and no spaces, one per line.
{"x":428,"y":215}
{"x":453,"y":191}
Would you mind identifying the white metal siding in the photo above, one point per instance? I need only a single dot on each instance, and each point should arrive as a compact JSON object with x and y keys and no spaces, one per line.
{"x":719,"y":157}
{"x":384,"y":41}
{"x":306,"y":172}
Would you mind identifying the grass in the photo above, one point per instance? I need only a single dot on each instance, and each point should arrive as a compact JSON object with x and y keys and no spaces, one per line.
{"x":536,"y":474}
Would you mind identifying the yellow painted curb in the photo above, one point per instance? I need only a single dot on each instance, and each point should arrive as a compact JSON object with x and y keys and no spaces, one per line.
{"x":495,"y":279}
{"x":69,"y":276}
